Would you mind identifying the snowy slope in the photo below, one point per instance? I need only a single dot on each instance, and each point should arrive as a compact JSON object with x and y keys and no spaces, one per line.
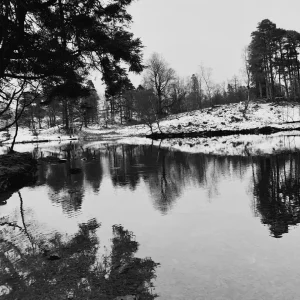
{"x":225,"y":117}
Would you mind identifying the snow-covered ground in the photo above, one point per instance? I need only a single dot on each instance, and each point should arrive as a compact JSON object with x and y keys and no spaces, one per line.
{"x":225,"y":117}
{"x":234,"y":145}
{"x":230,"y":117}
{"x":56,"y":134}
{"x":240,"y":145}
{"x":26,"y":135}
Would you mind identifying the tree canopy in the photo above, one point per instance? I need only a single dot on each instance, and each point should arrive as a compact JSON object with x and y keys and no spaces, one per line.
{"x":64,"y":39}
{"x":274,"y":61}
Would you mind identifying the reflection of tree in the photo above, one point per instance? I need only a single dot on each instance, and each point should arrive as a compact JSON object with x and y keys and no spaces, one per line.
{"x":122,"y":161}
{"x":93,"y":169}
{"x":277,"y":192}
{"x":165,"y":185}
{"x":130,"y":163}
{"x":42,"y":174}
{"x":60,"y":269}
{"x":128,"y":275}
{"x":165,"y":172}
{"x":32,"y":276}
{"x":65,"y":188}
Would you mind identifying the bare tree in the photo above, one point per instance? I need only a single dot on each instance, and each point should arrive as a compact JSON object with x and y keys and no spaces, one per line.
{"x":145,"y":108}
{"x":158,"y":77}
{"x":205,"y":74}
{"x":178,"y":92}
{"x":246,"y":75}
{"x":10,"y":94}
{"x":16,"y":94}
{"x":235,"y":82}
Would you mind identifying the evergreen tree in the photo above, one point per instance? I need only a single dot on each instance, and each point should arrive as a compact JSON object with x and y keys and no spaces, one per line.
{"x":63,"y":40}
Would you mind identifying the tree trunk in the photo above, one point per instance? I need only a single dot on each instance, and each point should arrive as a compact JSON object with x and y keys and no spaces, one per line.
{"x":284,"y":73}
{"x":266,"y":75}
{"x":85,"y":119}
{"x":32,"y":118}
{"x":260,"y":90}
{"x":66,"y":113}
{"x":159,"y":104}
{"x":121,"y":114}
{"x":290,"y":75}
{"x":298,"y":74}
{"x":286,"y":85}
{"x":272,"y":79}
{"x":14,"y":139}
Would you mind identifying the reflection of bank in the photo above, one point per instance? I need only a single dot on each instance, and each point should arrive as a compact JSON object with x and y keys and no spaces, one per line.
{"x":28,"y":270}
{"x":277,"y":192}
{"x":66,"y":181}
{"x":129,"y":164}
{"x":165,"y":173}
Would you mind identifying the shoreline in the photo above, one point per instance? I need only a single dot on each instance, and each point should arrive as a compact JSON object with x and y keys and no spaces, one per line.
{"x":266,"y":130}
{"x":219,"y":121}
{"x":220,"y":133}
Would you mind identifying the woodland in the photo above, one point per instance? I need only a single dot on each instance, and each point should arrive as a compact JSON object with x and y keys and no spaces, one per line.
{"x":48,"y":50}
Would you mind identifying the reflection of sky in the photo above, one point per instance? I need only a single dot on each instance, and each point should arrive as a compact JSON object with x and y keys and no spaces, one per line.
{"x":208,"y":244}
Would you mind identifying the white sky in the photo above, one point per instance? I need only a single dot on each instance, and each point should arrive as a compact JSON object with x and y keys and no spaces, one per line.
{"x":212,"y":32}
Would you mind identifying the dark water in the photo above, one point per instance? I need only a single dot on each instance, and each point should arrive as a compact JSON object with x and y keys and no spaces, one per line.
{"x":139,"y":220}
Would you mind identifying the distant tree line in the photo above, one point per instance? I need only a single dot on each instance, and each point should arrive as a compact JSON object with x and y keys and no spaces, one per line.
{"x":163,"y":92}
{"x":270,"y":71}
{"x":59,"y":110}
{"x":47,"y":49}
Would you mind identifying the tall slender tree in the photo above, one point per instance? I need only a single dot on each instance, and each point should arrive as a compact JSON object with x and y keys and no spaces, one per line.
{"x":261,"y":56}
{"x":274,"y":61}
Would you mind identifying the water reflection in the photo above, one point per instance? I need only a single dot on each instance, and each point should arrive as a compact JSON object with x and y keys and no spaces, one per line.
{"x":123,"y":162}
{"x":168,"y":174}
{"x":34,"y":266}
{"x":277,"y":192}
{"x":93,"y":171}
{"x":165,"y":185}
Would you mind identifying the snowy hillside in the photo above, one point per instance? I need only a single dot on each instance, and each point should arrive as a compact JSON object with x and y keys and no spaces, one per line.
{"x":226,"y":117}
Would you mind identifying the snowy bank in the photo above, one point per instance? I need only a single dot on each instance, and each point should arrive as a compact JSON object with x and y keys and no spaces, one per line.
{"x":220,"y":120}
{"x":232,"y":119}
{"x":25,"y":135}
{"x":217,"y":121}
{"x":234,"y":145}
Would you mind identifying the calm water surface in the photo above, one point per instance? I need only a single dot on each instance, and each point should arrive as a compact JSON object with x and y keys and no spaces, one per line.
{"x":220,"y":227}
